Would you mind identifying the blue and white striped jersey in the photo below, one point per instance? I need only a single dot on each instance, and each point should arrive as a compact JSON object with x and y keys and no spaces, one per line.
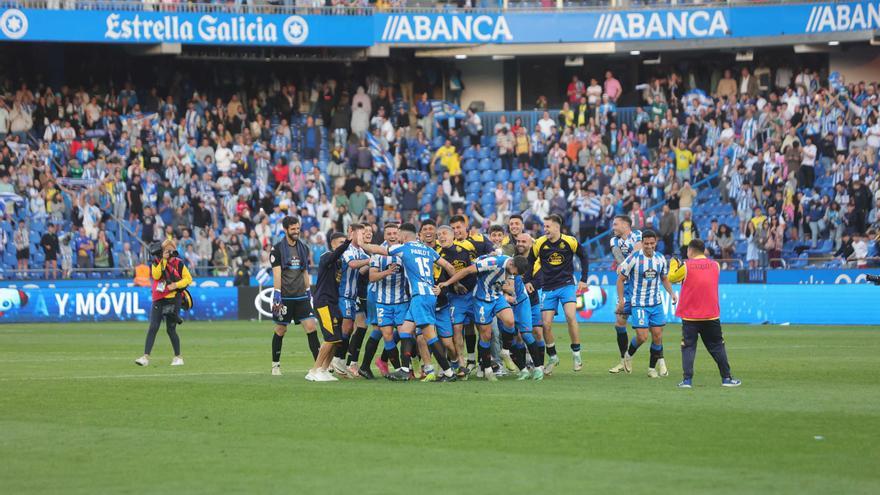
{"x":348,"y":281}
{"x":645,"y":273}
{"x":391,"y":289}
{"x":491,"y":275}
{"x":625,"y":245}
{"x":418,"y":266}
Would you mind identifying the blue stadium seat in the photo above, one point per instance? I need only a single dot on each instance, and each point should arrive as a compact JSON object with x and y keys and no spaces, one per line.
{"x":489,"y":186}
{"x":485,"y":164}
{"x":487,"y":176}
{"x":437,"y":142}
{"x":473,"y":186}
{"x":484,"y":153}
{"x":469,"y":153}
{"x":470,"y":164}
{"x":516,"y":175}
{"x":472,"y":176}
{"x":502,"y":175}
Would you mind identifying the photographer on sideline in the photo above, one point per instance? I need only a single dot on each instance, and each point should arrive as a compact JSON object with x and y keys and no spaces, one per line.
{"x":170,"y":276}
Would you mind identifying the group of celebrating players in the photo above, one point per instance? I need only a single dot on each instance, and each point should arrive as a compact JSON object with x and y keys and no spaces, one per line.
{"x":449,"y":292}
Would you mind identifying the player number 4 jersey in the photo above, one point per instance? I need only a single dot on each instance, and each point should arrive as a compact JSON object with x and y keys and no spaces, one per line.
{"x":491,"y":276}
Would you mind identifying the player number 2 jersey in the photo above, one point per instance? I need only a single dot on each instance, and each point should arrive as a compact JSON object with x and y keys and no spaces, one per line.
{"x":391,"y":289}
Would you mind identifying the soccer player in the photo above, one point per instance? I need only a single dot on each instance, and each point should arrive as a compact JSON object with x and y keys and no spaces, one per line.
{"x":353,"y":259}
{"x":462,"y":305}
{"x":418,"y":267}
{"x":699,"y":312}
{"x":291,"y":297}
{"x":456,"y":256}
{"x":388,"y":289}
{"x":491,"y":272}
{"x":326,"y":304}
{"x":648,"y":270}
{"x":556,"y":252}
{"x":362,"y":310}
{"x":514,"y":229}
{"x":527,"y":313}
{"x":624,"y":242}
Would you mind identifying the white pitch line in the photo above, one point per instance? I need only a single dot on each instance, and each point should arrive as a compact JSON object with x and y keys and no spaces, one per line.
{"x":150,"y":375}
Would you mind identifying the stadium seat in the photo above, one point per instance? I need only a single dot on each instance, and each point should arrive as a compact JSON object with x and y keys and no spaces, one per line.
{"x":484,"y":153}
{"x":487,"y":176}
{"x":516,"y":175}
{"x":469,"y":153}
{"x":472,"y":176}
{"x":471,"y":164}
{"x":502,"y":175}
{"x":485,"y":164}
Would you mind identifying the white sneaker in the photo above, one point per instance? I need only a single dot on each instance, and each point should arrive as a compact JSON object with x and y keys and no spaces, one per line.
{"x":479,"y":372}
{"x":142,"y":361}
{"x":552,"y":361}
{"x":276,"y":369}
{"x":577,"y":362}
{"x":339,"y":368}
{"x":661,"y":367}
{"x":652,"y":373}
{"x":310,"y":376}
{"x":501,"y":372}
{"x":618,"y":368}
{"x":353,"y":370}
{"x":490,"y":375}
{"x":325,"y":376}
{"x":177,"y":361}
{"x":627,"y":363}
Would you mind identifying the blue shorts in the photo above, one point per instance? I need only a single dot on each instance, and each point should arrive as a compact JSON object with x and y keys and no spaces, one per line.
{"x":537,"y":320}
{"x":551,"y":299}
{"x":646,"y":317}
{"x":627,"y":297}
{"x":348,"y":308}
{"x":486,"y":310}
{"x":391,"y":315}
{"x":422,"y":310}
{"x":523,"y":316}
{"x":444,"y":322}
{"x":461,"y":308}
{"x":372,"y":306}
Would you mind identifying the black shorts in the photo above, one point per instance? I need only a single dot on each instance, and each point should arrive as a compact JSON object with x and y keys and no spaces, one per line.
{"x":294,"y":310}
{"x":23,"y":254}
{"x":362,"y":305}
{"x":330,"y":321}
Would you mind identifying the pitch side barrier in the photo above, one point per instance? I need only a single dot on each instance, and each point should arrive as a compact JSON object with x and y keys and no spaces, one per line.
{"x":820,"y":296}
{"x":590,"y":22}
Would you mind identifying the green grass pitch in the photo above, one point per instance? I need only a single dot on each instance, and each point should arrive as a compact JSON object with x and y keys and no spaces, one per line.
{"x":77,"y":416}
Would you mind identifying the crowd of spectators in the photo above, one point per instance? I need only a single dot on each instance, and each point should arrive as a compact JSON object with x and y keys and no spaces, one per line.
{"x":796,"y":159}
{"x":101,"y":170}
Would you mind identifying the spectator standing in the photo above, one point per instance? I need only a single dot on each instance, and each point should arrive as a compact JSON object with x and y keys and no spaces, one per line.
{"x":49,"y":243}
{"x":21,"y":240}
{"x":612,"y":87}
{"x":687,"y":231}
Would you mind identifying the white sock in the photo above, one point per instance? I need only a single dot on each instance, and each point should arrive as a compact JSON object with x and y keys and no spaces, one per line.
{"x":275,"y":363}
{"x":576,"y":353}
{"x":447,"y":372}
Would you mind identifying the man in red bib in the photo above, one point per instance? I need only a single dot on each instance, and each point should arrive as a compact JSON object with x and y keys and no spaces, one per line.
{"x":699,"y":312}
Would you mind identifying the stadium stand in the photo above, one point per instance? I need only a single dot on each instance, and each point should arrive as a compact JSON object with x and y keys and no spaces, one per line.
{"x":774,"y":177}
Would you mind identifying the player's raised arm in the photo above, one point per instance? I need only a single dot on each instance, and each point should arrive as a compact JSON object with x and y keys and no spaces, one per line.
{"x":456,"y":276}
{"x":375,"y":249}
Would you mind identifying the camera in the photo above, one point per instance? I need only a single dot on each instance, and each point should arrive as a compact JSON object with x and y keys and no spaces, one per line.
{"x":155,"y":249}
{"x":874,"y":279}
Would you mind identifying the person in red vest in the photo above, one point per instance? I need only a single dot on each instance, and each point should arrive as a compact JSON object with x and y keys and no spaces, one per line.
{"x":169,"y":277}
{"x":699,"y":312}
